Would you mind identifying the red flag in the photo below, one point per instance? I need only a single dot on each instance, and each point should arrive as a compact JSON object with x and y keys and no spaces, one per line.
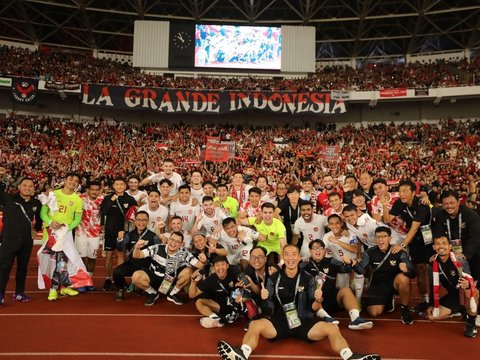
{"x":216,"y":152}
{"x":162,"y":147}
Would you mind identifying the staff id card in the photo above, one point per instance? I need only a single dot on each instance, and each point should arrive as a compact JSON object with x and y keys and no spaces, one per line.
{"x":427,"y":234}
{"x":292,"y":315}
{"x":166,"y":284}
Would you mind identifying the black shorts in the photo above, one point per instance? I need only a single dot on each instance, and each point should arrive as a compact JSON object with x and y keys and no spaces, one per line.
{"x":420,"y":253}
{"x":452,"y":302}
{"x":380,"y":293}
{"x":155,"y":280}
{"x":330,"y":303}
{"x":281,"y":326}
{"x":110,"y":242}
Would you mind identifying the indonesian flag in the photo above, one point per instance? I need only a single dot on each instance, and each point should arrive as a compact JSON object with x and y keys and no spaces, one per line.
{"x":161,"y":146}
{"x":77,"y":272}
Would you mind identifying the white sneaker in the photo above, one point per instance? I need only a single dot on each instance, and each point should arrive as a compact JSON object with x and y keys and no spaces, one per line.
{"x":477,"y":322}
{"x":207,"y":322}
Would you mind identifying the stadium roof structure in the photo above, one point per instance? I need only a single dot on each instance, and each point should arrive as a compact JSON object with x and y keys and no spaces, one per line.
{"x":344,"y":28}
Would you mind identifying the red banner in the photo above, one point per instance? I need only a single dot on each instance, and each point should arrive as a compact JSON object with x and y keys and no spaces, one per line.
{"x":217,"y":152}
{"x":330,"y":153}
{"x":393,"y":92}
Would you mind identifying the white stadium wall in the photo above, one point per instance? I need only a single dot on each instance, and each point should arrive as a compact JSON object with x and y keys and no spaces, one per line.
{"x":150,"y":44}
{"x":298,"y":49}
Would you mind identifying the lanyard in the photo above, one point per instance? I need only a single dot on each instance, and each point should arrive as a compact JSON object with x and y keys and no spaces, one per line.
{"x":264,"y":277}
{"x":290,"y":213}
{"x":409,"y":213}
{"x":222,"y":286}
{"x":296,"y":287}
{"x":24,"y":213}
{"x":320,"y":271}
{"x":459,"y":228}
{"x":142,"y":235}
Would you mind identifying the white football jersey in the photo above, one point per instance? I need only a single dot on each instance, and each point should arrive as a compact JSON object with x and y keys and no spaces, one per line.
{"x":365,"y":230}
{"x":154,"y":215}
{"x":336,"y":251}
{"x":186,"y":211}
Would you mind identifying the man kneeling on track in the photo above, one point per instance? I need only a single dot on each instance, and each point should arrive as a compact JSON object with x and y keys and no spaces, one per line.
{"x":292,"y":297}
{"x":169,"y":271}
{"x":447,"y":272}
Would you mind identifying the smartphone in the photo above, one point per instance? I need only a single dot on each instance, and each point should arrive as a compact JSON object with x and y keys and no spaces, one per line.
{"x":242,"y":277}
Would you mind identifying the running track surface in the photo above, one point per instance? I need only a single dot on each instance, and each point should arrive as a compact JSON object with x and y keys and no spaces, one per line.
{"x":95,"y":326}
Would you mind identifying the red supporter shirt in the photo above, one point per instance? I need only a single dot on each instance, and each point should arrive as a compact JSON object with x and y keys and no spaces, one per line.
{"x":90,"y":225}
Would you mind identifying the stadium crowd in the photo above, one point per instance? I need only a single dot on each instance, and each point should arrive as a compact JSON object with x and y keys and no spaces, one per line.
{"x":82,"y":68}
{"x":240,"y":238}
{"x":439,"y":155}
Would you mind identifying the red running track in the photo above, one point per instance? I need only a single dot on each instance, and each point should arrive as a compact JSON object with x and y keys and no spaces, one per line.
{"x":95,"y":326}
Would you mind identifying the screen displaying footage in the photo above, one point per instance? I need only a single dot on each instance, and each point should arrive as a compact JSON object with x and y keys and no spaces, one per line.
{"x":238,"y":47}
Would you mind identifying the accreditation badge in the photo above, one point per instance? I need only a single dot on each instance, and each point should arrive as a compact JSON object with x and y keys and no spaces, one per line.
{"x":292,"y":315}
{"x":166,"y":284}
{"x":427,"y":234}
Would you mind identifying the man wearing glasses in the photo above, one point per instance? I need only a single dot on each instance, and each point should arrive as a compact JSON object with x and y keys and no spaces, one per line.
{"x":391,"y":274}
{"x":170,"y":269}
{"x":126,"y":242}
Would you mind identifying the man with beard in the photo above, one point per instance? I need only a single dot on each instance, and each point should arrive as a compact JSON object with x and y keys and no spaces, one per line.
{"x":157,"y":214}
{"x":311,"y":226}
{"x":167,"y":173}
{"x":209,"y":219}
{"x":291,"y":296}
{"x":328,"y":188}
{"x":459,"y":285}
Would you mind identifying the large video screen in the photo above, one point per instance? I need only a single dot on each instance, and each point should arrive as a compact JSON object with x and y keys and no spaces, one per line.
{"x":238,"y":47}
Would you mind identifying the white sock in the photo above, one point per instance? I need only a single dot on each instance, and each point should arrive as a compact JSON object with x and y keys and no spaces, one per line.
{"x":354,"y":313}
{"x":346,"y":353}
{"x":150,"y":290}
{"x":321,"y":313}
{"x":247,"y":350}
{"x":174,"y":291}
{"x":358,"y":280}
{"x":426,"y":298}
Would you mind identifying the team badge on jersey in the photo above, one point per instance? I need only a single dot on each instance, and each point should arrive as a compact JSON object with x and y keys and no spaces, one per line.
{"x":71,"y":203}
{"x":125,"y":206}
{"x":300,"y":288}
{"x":453,"y":272}
{"x":315,"y":229}
{"x":326,"y":270}
{"x":393,"y":262}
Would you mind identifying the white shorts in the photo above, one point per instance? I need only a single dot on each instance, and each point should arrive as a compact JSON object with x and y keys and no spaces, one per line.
{"x":86,"y":246}
{"x":243,"y":253}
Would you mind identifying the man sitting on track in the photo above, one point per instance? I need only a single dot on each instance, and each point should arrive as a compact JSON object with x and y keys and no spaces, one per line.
{"x":214,"y":298}
{"x":169,"y":270}
{"x":447,"y":271}
{"x":292,"y":297}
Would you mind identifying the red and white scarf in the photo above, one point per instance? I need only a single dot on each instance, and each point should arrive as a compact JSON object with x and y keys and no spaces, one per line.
{"x":436,"y":285}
